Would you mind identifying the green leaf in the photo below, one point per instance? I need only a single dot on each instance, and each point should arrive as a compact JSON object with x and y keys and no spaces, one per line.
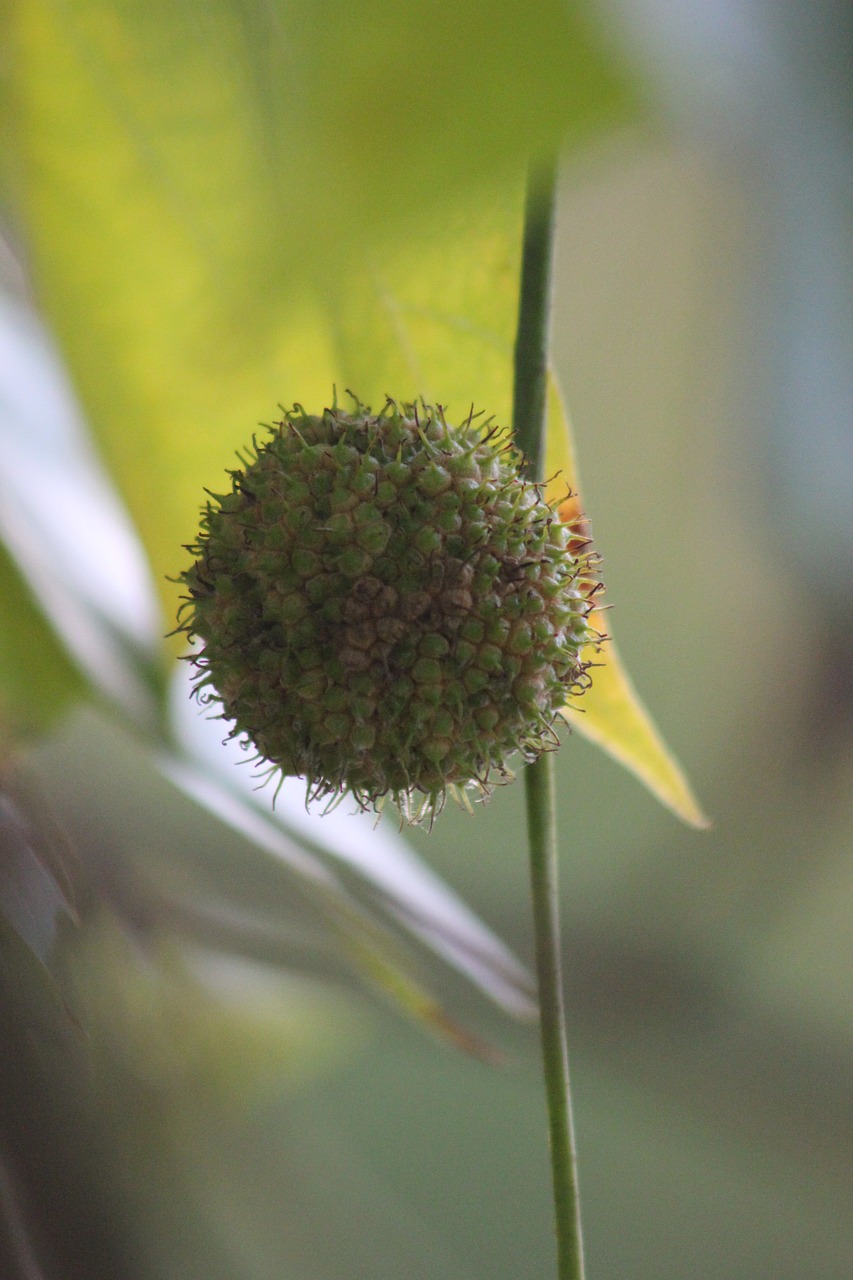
{"x":195,"y":181}
{"x":37,"y":679}
{"x":436,"y":317}
{"x":278,"y":136}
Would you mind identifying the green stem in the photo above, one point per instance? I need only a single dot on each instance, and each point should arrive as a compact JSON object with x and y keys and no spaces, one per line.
{"x":529,"y":404}
{"x":534,"y":317}
{"x":542,"y":837}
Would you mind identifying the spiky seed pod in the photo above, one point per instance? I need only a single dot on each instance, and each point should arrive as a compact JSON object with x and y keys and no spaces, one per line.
{"x":387,"y":607}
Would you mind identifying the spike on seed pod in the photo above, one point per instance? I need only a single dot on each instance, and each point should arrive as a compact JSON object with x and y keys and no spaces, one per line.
{"x":387,"y":606}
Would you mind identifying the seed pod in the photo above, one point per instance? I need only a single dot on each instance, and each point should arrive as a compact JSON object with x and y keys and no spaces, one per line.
{"x":387,"y":606}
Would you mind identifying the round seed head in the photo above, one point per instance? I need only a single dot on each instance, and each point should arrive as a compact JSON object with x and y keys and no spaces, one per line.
{"x":386,"y":605}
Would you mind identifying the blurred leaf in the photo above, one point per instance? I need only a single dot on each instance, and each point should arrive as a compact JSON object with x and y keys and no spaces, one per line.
{"x":194,"y":180}
{"x":63,"y":525}
{"x":369,"y":862}
{"x":37,"y":679}
{"x":35,"y":894}
{"x":361,"y":927}
{"x":34,"y":886}
{"x":278,"y":137}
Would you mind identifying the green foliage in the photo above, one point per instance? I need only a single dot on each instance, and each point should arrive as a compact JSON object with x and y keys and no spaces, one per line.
{"x":197,"y":183}
{"x":37,"y":678}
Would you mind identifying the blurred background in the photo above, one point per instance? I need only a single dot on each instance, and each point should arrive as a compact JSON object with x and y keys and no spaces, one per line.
{"x":194,"y":1088}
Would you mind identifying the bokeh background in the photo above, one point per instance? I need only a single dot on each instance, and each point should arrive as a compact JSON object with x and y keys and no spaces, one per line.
{"x":184,"y":1103}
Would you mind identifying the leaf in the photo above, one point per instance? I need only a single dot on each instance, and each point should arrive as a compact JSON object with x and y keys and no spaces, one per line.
{"x":34,"y":887}
{"x":370,"y":946}
{"x":436,"y":317}
{"x":194,"y":181}
{"x":278,"y":136}
{"x":362,"y":875}
{"x":611,"y":714}
{"x":37,"y":679}
{"x":70,"y":539}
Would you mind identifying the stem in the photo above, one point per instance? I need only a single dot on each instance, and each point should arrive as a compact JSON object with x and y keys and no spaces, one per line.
{"x":529,"y":404}
{"x":542,"y":836}
{"x":534,"y":317}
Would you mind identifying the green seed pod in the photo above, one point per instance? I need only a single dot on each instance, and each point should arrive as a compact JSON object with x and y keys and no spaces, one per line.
{"x":387,"y":606}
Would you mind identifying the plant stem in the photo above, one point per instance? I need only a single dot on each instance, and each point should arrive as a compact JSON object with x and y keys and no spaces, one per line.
{"x":534,"y":317}
{"x":542,"y":837}
{"x":529,"y":405}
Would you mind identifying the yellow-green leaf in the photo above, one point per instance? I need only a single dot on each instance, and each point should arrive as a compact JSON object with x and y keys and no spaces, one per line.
{"x":194,"y":180}
{"x":611,"y":714}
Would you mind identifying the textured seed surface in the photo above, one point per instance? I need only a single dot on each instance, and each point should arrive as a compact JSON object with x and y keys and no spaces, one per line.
{"x":386,"y":607}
